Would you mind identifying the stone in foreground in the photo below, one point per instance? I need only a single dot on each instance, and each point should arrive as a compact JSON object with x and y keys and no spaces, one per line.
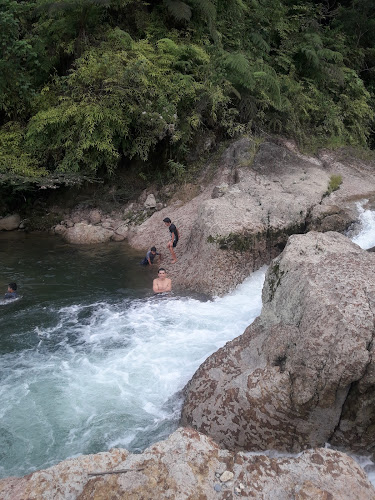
{"x":185,"y":467}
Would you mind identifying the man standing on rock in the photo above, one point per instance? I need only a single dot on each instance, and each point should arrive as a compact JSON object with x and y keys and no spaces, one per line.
{"x":174,"y":238}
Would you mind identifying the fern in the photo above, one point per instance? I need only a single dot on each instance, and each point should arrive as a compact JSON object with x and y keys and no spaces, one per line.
{"x":176,"y":170}
{"x":259,"y":42}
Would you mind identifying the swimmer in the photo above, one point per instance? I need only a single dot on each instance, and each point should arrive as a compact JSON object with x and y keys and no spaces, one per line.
{"x":12,"y":291}
{"x":162,"y":283}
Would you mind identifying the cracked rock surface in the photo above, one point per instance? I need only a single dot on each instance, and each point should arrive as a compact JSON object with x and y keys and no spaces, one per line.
{"x":303,"y":373}
{"x":189,"y":466}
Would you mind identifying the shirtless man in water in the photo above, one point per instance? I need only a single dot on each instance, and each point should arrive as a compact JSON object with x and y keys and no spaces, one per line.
{"x":162,"y":283}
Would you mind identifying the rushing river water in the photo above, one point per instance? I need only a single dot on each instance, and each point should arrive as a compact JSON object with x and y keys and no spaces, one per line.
{"x":90,"y":359}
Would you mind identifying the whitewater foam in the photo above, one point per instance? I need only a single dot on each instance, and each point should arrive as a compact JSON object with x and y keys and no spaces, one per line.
{"x":109,"y":374}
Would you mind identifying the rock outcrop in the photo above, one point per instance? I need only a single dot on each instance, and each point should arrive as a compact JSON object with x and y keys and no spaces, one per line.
{"x":10,"y":222}
{"x":81,"y":234}
{"x":303,"y":373}
{"x":189,"y":465}
{"x":244,"y":216}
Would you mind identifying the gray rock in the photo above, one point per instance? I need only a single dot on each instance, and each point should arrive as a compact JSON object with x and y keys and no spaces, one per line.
{"x":303,"y":372}
{"x":183,"y":466}
{"x":122,"y":230}
{"x":60,"y":229}
{"x":95,"y":216}
{"x":150,"y":201}
{"x":219,"y":191}
{"x":10,"y":222}
{"x":82,"y":234}
{"x":118,"y":237}
{"x":274,"y":191}
{"x":226,"y":476}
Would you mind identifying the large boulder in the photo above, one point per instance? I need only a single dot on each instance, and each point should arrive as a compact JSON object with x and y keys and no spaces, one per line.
{"x":243,"y":217}
{"x":303,"y":373}
{"x":189,"y":465}
{"x":83,"y":234}
{"x":10,"y":222}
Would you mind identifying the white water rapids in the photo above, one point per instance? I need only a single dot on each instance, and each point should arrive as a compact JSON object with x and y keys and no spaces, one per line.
{"x":108,"y":374}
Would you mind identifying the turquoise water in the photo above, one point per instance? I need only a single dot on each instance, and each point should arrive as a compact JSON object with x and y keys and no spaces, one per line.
{"x":89,"y":358}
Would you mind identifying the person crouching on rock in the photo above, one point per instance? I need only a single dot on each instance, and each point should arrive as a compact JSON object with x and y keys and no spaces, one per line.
{"x":162,"y":283}
{"x":174,"y":238}
{"x":150,"y":256}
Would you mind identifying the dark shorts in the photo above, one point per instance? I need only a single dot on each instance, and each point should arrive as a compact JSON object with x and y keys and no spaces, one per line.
{"x":175,"y":243}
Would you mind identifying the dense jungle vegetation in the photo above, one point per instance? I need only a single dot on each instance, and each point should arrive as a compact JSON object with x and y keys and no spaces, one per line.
{"x":89,"y":86}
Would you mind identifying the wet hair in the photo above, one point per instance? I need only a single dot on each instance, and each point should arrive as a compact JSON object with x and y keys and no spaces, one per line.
{"x":167,"y":219}
{"x":153,"y":249}
{"x":161,"y":269}
{"x":13,"y":286}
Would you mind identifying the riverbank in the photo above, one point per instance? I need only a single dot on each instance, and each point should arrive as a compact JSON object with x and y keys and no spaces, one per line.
{"x":239,"y":214}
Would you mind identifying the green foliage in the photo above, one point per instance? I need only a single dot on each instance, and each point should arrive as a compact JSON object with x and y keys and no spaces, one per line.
{"x":87,"y":85}
{"x":335,"y":182}
{"x":18,"y":59}
{"x":176,"y":170}
{"x":123,"y":102}
{"x":15,"y":161}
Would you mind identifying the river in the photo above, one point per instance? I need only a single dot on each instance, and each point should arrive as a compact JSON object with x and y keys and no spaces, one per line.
{"x":91,"y":359}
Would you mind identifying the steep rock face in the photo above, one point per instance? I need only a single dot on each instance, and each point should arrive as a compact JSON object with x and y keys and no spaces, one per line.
{"x":303,"y":371}
{"x":189,"y":465}
{"x":256,"y":199}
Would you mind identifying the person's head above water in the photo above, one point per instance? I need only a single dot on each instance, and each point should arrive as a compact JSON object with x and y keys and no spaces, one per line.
{"x":162,"y":271}
{"x":12,"y":287}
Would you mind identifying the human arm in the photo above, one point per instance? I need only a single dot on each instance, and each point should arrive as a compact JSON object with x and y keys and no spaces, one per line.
{"x":155,"y":286}
{"x":168,"y":285}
